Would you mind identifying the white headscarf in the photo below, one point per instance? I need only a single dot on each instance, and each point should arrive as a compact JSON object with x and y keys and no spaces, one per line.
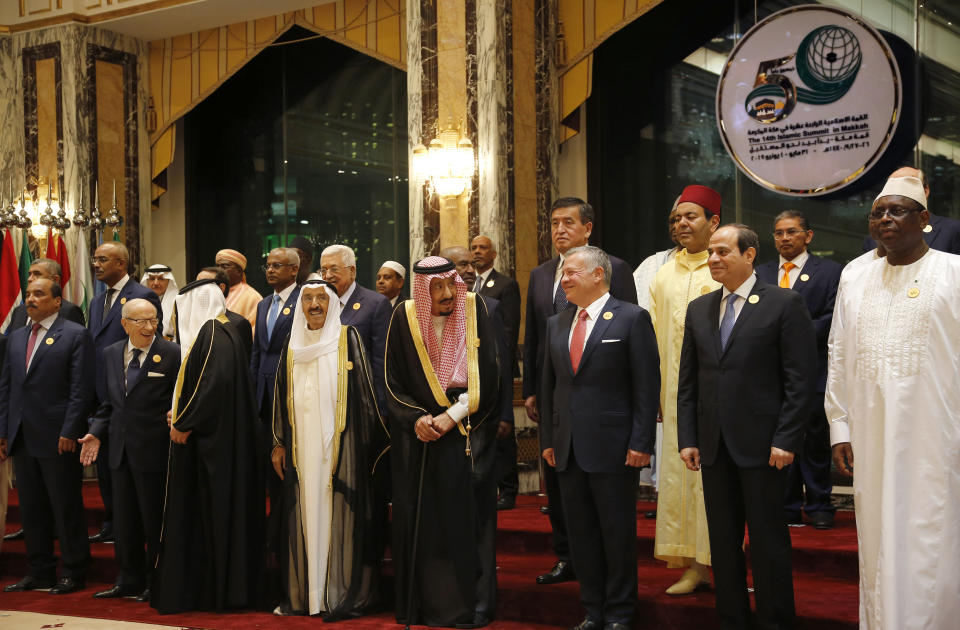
{"x":168,"y":299}
{"x":318,"y":347}
{"x":198,"y":302}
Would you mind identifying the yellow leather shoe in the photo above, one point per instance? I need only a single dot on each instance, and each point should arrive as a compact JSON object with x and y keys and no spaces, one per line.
{"x":690,"y":581}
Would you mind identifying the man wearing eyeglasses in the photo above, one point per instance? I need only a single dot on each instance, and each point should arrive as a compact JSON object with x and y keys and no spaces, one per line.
{"x":110,"y":267}
{"x":141,"y":373}
{"x":274,"y":316}
{"x":815,"y":279}
{"x":893,"y":402}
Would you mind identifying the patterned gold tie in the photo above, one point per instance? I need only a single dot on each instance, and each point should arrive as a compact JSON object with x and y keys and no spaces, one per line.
{"x":785,"y":280}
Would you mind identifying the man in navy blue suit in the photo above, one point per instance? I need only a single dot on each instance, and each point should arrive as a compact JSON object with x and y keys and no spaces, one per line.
{"x":46,"y":393}
{"x":942,"y":233}
{"x":110,"y":267}
{"x":274,"y":317}
{"x":600,"y":391}
{"x":571,"y":221}
{"x":366,"y":310}
{"x":816,"y":280}
{"x":141,"y":373}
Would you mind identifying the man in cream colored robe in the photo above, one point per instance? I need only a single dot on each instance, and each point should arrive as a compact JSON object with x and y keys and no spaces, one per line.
{"x":241,"y":297}
{"x":893,"y":402}
{"x":681,"y":539}
{"x":328,"y":436}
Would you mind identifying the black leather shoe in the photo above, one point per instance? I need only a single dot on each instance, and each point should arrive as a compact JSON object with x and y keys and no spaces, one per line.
{"x":144,"y":596}
{"x":66,"y":585}
{"x":17,"y":535}
{"x":28,"y":583}
{"x":545,"y":509}
{"x":561,"y":572}
{"x":506,"y":503}
{"x":616,"y":625}
{"x":821,"y":520}
{"x":588,"y":624}
{"x":105,"y":535}
{"x":117,"y":591}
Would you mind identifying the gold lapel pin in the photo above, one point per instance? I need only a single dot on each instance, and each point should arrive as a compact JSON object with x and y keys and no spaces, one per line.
{"x":156,"y":358}
{"x":753,"y":299}
{"x":704,"y":290}
{"x":123,"y":301}
{"x":804,"y":277}
{"x":356,"y":306}
{"x":349,"y":365}
{"x":286,"y":311}
{"x":928,"y":228}
{"x":608,"y":315}
{"x":49,"y":341}
{"x":490,"y":283}
{"x":913,"y":292}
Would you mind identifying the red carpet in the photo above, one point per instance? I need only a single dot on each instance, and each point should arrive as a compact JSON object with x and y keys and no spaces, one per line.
{"x":825,"y":582}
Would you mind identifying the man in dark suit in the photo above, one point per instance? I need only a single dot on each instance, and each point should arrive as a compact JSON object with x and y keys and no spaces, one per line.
{"x":366,"y":310}
{"x":141,"y":373}
{"x":941,"y":233}
{"x":46,"y":393}
{"x":241,"y":323}
{"x":600,"y":390}
{"x":110,"y":267}
{"x":491,"y":283}
{"x":274,"y":317}
{"x":816,"y":280}
{"x":571,"y":221}
{"x":50,"y":269}
{"x":747,"y":376}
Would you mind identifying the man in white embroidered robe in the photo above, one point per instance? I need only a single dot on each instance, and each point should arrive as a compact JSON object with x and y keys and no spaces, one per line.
{"x":327,"y":436}
{"x":893,"y":402}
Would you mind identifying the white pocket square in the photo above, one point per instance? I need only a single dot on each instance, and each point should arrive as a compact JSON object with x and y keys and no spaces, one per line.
{"x":154,"y":374}
{"x":609,"y":341}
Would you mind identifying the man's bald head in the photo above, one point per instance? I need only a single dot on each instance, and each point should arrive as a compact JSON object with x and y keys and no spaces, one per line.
{"x":460,"y":257}
{"x":909,"y":171}
{"x":110,"y":262}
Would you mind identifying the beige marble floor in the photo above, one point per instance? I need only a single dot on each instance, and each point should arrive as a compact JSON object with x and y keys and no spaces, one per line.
{"x":16,"y":620}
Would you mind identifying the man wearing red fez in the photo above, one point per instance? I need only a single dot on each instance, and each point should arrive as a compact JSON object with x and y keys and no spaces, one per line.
{"x":681,"y":539}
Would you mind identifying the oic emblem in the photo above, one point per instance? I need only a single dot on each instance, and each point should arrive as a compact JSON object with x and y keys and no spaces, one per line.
{"x":809,"y":100}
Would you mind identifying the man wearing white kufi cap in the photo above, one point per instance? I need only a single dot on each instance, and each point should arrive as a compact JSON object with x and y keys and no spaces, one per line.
{"x":390,"y":280}
{"x":327,"y":439}
{"x":893,"y":402}
{"x":159,"y":278}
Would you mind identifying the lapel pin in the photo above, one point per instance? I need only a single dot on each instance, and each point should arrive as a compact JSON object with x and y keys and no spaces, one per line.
{"x":49,"y":341}
{"x":286,"y":311}
{"x":928,"y":228}
{"x":490,"y":283}
{"x":123,"y":301}
{"x":349,"y":365}
{"x":753,"y":299}
{"x":608,"y":315}
{"x":156,"y":358}
{"x":913,"y":292}
{"x":804,"y":277}
{"x":356,"y":306}
{"x":704,"y":290}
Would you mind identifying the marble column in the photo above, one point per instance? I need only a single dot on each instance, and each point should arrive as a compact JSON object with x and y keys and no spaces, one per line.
{"x":422,"y":116}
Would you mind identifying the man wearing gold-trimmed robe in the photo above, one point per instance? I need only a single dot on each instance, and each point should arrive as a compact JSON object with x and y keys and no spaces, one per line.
{"x":681,"y":539}
{"x":328,"y":437}
{"x":444,"y":374}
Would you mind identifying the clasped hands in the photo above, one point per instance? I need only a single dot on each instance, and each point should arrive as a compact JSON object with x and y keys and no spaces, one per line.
{"x":779,"y":458}
{"x":430,"y":428}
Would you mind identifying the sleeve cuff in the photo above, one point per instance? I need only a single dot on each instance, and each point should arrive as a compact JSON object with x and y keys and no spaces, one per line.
{"x":459,"y":410}
{"x":839,"y":432}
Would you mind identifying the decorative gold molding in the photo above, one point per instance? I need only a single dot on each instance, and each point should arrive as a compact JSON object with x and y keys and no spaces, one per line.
{"x":78,"y":18}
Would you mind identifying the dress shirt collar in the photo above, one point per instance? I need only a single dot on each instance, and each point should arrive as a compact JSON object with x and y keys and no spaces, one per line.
{"x":122,"y":282}
{"x":285,"y":294}
{"x":482,"y":277}
{"x":744,"y":289}
{"x":799,"y":260}
{"x":131,"y":348}
{"x":593,"y":310}
{"x":346,"y":294}
{"x":47,"y":322}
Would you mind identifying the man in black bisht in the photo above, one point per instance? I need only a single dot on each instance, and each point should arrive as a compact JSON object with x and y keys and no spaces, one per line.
{"x":211,"y":547}
{"x":443,"y":372}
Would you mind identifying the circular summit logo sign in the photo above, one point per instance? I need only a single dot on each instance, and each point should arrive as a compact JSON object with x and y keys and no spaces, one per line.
{"x":808,"y":100}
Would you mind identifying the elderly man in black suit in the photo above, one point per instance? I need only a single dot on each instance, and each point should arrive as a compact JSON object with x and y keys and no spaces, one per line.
{"x":141,"y":373}
{"x":46,"y":393}
{"x":816,"y":280}
{"x":110,"y":262}
{"x":50,"y":269}
{"x":492,"y":283}
{"x":600,"y":390}
{"x":571,"y":222}
{"x":366,"y":310}
{"x":747,"y":378}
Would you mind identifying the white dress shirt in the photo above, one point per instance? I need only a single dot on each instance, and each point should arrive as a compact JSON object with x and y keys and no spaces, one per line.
{"x":284,"y":295}
{"x":593,"y":312}
{"x":482,"y":279}
{"x":346,"y":294}
{"x":799,"y":261}
{"x":556,"y":276}
{"x":743,"y":291}
{"x":41,"y":333}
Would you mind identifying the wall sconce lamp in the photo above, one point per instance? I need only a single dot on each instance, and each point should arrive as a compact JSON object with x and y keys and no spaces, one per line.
{"x":447,"y":166}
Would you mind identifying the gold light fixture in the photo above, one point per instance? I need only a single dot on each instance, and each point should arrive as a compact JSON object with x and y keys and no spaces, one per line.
{"x":447,"y":166}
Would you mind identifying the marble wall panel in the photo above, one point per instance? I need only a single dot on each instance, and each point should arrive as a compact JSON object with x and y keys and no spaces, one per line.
{"x":429,"y":117}
{"x":42,"y":115}
{"x":546,"y":90}
{"x":11,"y":120}
{"x":472,"y":122}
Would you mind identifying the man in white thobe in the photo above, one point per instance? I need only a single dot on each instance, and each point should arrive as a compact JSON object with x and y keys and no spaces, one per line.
{"x":893,"y":401}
